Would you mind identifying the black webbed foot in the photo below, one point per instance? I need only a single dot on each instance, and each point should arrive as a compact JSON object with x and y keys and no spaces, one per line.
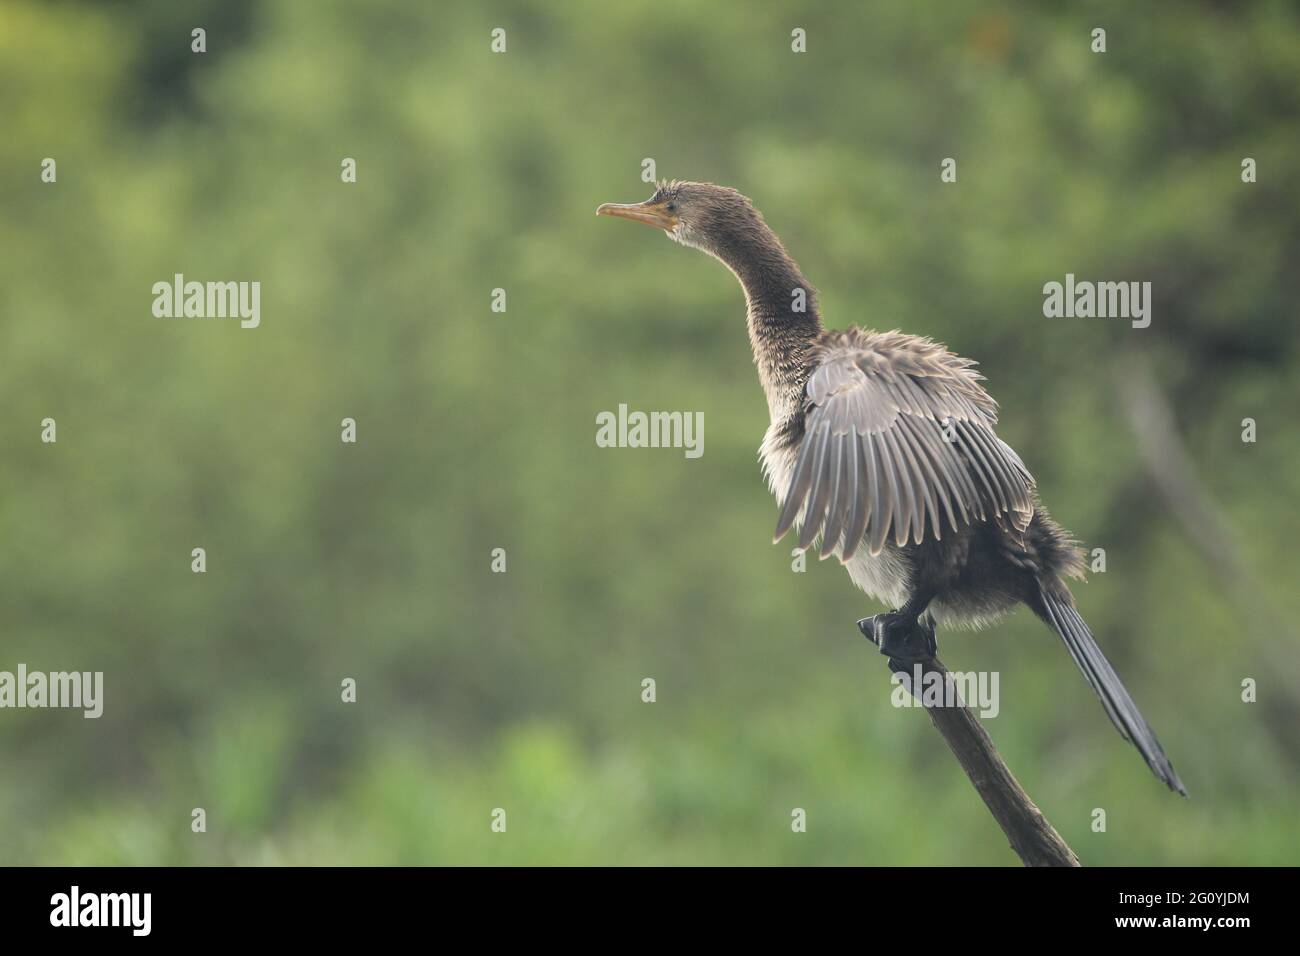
{"x":901,"y":637}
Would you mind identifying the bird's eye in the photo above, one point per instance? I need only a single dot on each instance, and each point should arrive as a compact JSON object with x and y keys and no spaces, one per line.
{"x":672,"y":207}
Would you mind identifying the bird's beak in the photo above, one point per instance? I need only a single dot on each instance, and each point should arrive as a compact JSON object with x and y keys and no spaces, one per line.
{"x":652,"y":214}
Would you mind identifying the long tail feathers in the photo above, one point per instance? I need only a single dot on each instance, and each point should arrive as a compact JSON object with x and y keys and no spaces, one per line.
{"x":1061,"y":614}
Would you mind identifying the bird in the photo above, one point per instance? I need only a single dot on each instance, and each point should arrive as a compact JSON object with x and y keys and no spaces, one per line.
{"x":881,"y":451}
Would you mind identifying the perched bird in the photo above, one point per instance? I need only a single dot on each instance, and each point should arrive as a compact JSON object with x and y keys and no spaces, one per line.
{"x":882,"y":446}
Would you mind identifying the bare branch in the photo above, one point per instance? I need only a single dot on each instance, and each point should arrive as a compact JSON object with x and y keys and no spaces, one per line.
{"x":1033,"y":838}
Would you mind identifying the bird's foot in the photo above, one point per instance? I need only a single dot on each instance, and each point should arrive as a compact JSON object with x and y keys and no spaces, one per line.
{"x":900,"y":637}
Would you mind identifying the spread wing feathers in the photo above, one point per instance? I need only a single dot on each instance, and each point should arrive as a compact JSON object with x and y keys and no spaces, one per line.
{"x":898,"y":440}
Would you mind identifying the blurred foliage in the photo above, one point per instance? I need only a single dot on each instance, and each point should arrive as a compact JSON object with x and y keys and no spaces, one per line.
{"x":476,"y":429}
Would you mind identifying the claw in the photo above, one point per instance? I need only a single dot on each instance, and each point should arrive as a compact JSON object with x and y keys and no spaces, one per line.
{"x":900,"y":638}
{"x":868,"y":628}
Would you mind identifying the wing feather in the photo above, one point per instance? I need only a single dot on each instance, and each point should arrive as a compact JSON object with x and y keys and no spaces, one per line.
{"x":860,"y":494}
{"x":812,"y":520}
{"x":897,"y":438}
{"x":838,"y":501}
{"x":928,"y":482}
{"x":882,"y":502}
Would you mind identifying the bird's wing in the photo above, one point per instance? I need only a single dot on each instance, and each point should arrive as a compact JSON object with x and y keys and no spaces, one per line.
{"x":897,"y":432}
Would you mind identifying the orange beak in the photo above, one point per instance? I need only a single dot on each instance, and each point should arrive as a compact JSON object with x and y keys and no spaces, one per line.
{"x":652,"y":214}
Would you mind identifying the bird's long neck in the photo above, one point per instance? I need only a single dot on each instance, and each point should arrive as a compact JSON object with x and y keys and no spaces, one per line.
{"x":782,"y":315}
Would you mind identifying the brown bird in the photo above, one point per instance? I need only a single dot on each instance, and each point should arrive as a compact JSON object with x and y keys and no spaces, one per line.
{"x":881,"y":451}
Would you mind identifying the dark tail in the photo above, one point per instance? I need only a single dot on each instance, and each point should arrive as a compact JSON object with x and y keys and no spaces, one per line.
{"x":1058,"y":610}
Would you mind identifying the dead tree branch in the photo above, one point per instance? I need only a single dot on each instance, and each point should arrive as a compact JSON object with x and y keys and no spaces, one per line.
{"x":1033,"y":838}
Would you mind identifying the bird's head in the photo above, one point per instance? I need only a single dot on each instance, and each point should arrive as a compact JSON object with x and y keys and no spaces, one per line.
{"x":708,"y":217}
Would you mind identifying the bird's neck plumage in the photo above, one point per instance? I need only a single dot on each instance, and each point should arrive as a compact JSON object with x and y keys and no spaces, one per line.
{"x":782,"y":314}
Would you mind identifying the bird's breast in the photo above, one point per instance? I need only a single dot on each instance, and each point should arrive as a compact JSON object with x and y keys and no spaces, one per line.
{"x":885,"y":575}
{"x":777,"y":455}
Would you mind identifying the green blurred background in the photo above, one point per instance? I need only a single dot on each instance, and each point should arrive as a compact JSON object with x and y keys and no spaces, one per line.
{"x":476,"y":429}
